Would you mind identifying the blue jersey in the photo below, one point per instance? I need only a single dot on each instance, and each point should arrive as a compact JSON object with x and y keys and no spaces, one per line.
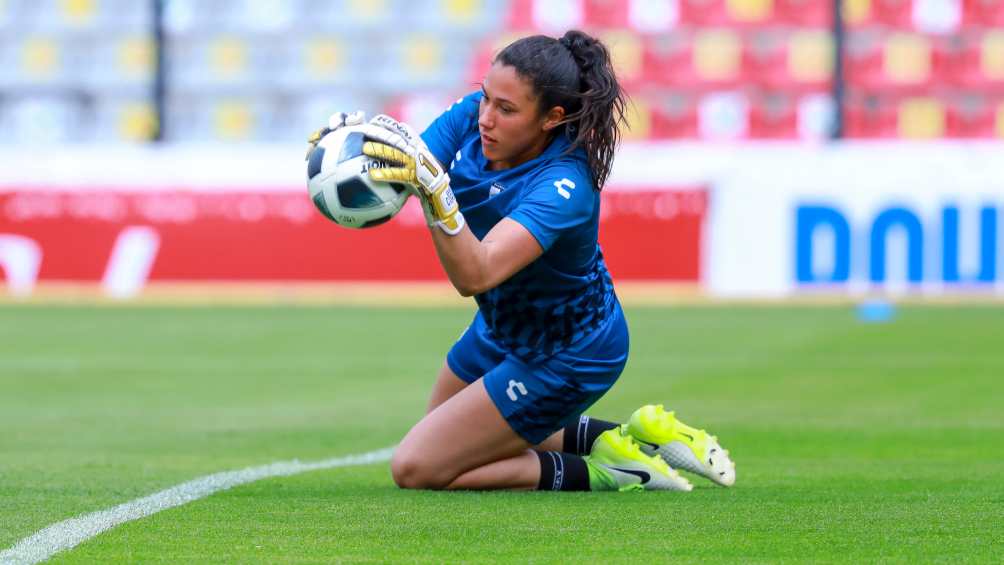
{"x":567,"y":292}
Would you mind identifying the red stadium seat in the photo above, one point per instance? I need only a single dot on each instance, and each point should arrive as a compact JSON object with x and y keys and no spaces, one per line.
{"x":976,"y":117}
{"x":801,"y":61}
{"x":673,"y":116}
{"x":706,"y":60}
{"x":602,"y":14}
{"x":984,"y":13}
{"x":774,"y":116}
{"x":804,"y":13}
{"x":977,"y":62}
{"x":898,"y":62}
{"x":723,"y":13}
{"x":870,"y":117}
{"x":896,"y":14}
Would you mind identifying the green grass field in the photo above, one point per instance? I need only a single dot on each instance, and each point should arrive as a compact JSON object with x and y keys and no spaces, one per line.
{"x":854,"y":443}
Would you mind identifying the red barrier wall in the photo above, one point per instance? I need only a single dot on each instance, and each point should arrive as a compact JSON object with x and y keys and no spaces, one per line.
{"x":649,"y":234}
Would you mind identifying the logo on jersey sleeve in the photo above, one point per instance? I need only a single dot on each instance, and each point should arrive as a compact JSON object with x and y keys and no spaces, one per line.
{"x":495,"y":189}
{"x":563,"y":185}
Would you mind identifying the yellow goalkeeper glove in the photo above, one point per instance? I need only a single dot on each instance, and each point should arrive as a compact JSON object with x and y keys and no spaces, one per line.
{"x":398,"y":144}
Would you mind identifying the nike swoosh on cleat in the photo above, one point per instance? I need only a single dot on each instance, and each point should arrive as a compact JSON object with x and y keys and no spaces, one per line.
{"x":688,"y":436}
{"x":648,"y":443}
{"x":645,"y":477}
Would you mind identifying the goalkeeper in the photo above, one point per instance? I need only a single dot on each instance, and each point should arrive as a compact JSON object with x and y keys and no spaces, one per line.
{"x":515,"y":224}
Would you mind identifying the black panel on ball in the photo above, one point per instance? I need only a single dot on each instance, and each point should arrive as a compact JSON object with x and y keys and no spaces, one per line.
{"x":398,"y":187}
{"x":314,"y":162}
{"x":352,"y":147}
{"x":354,"y":193}
{"x":376,"y":222}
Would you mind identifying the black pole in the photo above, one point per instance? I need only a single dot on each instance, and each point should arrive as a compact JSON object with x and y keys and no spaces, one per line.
{"x":839,"y":94}
{"x":159,"y":78}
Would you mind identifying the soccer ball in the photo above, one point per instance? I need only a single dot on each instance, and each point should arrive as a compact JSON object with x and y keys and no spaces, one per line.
{"x":340,"y":185}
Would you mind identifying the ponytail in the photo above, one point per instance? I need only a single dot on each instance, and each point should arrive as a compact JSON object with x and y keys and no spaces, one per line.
{"x":575,"y":73}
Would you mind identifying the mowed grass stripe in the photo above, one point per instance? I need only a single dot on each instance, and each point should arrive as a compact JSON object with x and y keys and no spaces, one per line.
{"x":854,"y":442}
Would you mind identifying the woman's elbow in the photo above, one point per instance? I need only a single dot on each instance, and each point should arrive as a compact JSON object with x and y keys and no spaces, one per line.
{"x":470,"y":288}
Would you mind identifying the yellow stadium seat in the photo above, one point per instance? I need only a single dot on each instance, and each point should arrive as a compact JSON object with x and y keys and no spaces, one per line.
{"x":324,"y":57}
{"x":856,"y":12}
{"x":717,"y":54}
{"x":810,"y":55}
{"x":422,"y":54}
{"x":461,"y":11}
{"x":750,"y":10}
{"x":137,"y":122}
{"x":907,"y":58}
{"x":639,"y":120}
{"x":921,"y":118}
{"x":228,"y":56}
{"x":78,"y":13}
{"x":992,"y":55}
{"x":626,"y":51}
{"x":368,"y":10}
{"x":136,"y":56}
{"x":40,"y":58}
{"x":233,"y":120}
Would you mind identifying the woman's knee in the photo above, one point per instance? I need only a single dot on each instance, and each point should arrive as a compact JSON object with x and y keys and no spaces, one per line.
{"x":413,"y":471}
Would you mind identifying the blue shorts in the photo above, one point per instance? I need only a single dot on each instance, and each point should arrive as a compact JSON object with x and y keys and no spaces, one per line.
{"x":538,"y":398}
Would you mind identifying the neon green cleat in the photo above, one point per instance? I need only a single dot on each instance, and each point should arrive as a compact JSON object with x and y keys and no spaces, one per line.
{"x":617,"y":463}
{"x":679,"y":445}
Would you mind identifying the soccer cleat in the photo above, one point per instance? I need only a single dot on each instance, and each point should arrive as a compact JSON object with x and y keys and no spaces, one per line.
{"x":620,"y":464}
{"x":679,"y":445}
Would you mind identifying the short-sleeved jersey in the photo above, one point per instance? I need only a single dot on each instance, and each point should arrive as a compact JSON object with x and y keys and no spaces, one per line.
{"x":565,"y":293}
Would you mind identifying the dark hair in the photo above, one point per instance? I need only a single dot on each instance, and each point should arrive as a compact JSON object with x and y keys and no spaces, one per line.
{"x":574,"y":72}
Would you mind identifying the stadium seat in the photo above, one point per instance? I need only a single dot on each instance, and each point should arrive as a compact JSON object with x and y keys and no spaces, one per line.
{"x":773,"y":116}
{"x":549,"y":16}
{"x":978,"y":62}
{"x":987,"y":14}
{"x":42,"y":119}
{"x":124,"y":119}
{"x":800,"y":61}
{"x":603,"y":14}
{"x":673,"y":116}
{"x":899,"y":61}
{"x":126,"y":63}
{"x":626,"y":50}
{"x":653,"y":16}
{"x":723,"y":13}
{"x":639,"y":120}
{"x":894,"y":14}
{"x":870,"y":117}
{"x":975,"y":117}
{"x":921,"y":118}
{"x":723,"y":116}
{"x":804,"y":13}
{"x":939,"y":17}
{"x":709,"y":59}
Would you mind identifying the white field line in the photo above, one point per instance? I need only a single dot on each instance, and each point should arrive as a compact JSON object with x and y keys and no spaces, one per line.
{"x":69,"y":533}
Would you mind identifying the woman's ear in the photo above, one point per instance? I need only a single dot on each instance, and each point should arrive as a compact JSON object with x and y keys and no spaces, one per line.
{"x":553,"y":118}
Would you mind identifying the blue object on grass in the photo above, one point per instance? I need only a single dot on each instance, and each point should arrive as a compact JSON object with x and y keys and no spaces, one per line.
{"x":876,"y":311}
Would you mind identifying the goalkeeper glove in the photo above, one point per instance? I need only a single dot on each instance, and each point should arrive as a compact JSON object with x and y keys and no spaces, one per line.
{"x":399,"y":145}
{"x":335,"y":121}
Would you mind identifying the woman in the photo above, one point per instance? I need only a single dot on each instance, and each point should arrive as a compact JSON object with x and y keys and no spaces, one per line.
{"x":528,"y":155}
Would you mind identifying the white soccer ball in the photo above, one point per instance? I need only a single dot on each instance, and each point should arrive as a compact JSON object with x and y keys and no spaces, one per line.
{"x":340,"y":186}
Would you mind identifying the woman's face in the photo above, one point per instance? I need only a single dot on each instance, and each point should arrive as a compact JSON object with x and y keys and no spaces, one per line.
{"x":513,"y":130}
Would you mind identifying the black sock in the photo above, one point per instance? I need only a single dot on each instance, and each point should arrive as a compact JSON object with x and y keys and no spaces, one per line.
{"x":579,"y":437}
{"x":562,"y":471}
